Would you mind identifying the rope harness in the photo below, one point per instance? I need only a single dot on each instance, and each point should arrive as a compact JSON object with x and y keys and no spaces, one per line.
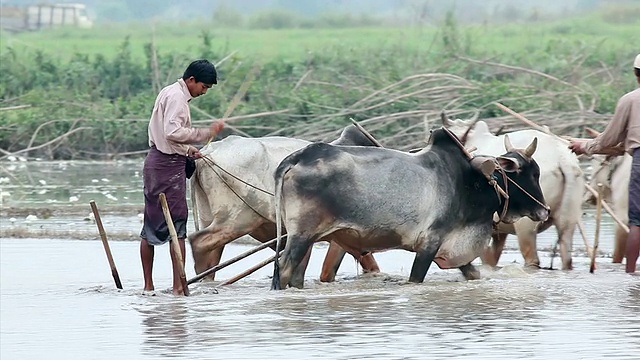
{"x":500,"y":193}
{"x":213,"y":164}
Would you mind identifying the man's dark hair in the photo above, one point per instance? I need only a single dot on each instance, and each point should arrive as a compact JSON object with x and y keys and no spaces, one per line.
{"x":203,"y":71}
{"x":637,"y":71}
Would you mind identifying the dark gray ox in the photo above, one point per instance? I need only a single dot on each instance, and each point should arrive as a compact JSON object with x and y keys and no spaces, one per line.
{"x":432,"y":202}
{"x":236,"y":201}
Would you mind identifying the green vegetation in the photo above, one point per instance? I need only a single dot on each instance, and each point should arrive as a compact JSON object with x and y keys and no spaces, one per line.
{"x":104,"y":80}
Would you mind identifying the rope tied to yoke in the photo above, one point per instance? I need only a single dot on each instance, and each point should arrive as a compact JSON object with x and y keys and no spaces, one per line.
{"x":211,"y":165}
{"x":493,"y":181}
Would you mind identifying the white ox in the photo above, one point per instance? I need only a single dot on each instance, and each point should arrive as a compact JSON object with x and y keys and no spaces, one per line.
{"x":234,"y":197}
{"x":614,"y":174}
{"x":561,"y":180}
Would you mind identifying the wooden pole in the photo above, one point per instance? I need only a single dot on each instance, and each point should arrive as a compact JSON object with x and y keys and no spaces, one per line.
{"x":230,"y":261}
{"x":250,"y":270}
{"x":608,"y":208}
{"x":175,"y":246}
{"x":584,"y":238}
{"x":105,"y":244}
{"x":613,"y":151}
{"x":597,"y":236}
{"x":366,"y":133}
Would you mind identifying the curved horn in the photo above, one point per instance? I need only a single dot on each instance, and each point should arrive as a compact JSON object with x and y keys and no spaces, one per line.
{"x":474,"y":120}
{"x":444,"y":118}
{"x":507,"y":144}
{"x":531,"y":148}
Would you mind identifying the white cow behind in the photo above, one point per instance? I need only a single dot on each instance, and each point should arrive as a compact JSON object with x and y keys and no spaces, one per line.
{"x":234,"y":197}
{"x":614,"y":174}
{"x":561,"y":180}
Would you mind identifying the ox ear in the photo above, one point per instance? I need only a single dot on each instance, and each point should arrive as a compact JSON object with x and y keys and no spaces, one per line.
{"x":508,"y":164}
{"x":507,"y":144}
{"x":486,"y":165}
{"x":528,"y":152}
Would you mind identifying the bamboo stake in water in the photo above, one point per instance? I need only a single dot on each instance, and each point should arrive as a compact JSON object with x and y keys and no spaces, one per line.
{"x":105,"y":244}
{"x":597,"y":236}
{"x":175,"y":247}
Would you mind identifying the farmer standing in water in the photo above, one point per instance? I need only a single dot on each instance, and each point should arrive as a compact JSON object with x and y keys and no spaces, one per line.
{"x":624,"y":128}
{"x":171,"y":140}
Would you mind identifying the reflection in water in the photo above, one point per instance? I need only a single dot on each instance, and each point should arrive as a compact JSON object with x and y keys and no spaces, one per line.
{"x":165,"y":327}
{"x":75,"y":312}
{"x":373,"y":318}
{"x":631,"y":302}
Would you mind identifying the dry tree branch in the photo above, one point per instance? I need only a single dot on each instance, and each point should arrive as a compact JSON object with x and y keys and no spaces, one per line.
{"x":61,"y":137}
{"x":244,"y":117}
{"x":35,"y":133}
{"x":226,"y":125}
{"x":301,"y":80}
{"x":17,"y":107}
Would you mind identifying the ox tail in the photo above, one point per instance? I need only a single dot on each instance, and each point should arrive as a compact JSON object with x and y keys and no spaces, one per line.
{"x":282,"y":169}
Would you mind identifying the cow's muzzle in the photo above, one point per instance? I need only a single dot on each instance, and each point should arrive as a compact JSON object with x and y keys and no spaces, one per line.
{"x":542,"y":214}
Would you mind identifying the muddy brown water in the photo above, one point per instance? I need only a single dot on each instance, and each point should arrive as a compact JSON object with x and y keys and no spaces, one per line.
{"x":58,"y":300}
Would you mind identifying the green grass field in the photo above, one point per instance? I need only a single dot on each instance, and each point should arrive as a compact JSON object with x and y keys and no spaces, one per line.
{"x":586,"y":59}
{"x":504,"y":40}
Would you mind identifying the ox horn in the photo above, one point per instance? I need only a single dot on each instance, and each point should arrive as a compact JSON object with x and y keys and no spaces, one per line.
{"x":444,"y":118}
{"x":528,"y":152}
{"x":507,"y":144}
{"x":474,"y":120}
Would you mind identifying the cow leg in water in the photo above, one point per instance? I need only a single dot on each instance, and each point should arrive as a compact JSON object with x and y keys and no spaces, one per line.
{"x":565,"y":236}
{"x":297,"y":277}
{"x":620,"y":245}
{"x":470,"y":272}
{"x":492,"y":253}
{"x":332,"y":261}
{"x":421,"y":264}
{"x":526,"y":232}
{"x":294,"y":253}
{"x":334,"y":258}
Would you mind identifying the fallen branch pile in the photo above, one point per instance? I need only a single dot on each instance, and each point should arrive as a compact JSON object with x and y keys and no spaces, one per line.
{"x":399,"y":114}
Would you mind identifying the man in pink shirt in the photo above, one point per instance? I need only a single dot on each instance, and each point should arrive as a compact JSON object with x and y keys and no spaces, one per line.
{"x":171,"y":140}
{"x":620,"y":136}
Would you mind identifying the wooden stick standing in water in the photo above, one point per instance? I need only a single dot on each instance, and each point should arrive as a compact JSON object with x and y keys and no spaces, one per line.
{"x":584,"y":238}
{"x":596,"y":241}
{"x":175,"y":247}
{"x":105,"y":244}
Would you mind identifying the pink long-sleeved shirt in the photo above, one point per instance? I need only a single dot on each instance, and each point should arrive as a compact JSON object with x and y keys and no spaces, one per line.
{"x":170,"y":125}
